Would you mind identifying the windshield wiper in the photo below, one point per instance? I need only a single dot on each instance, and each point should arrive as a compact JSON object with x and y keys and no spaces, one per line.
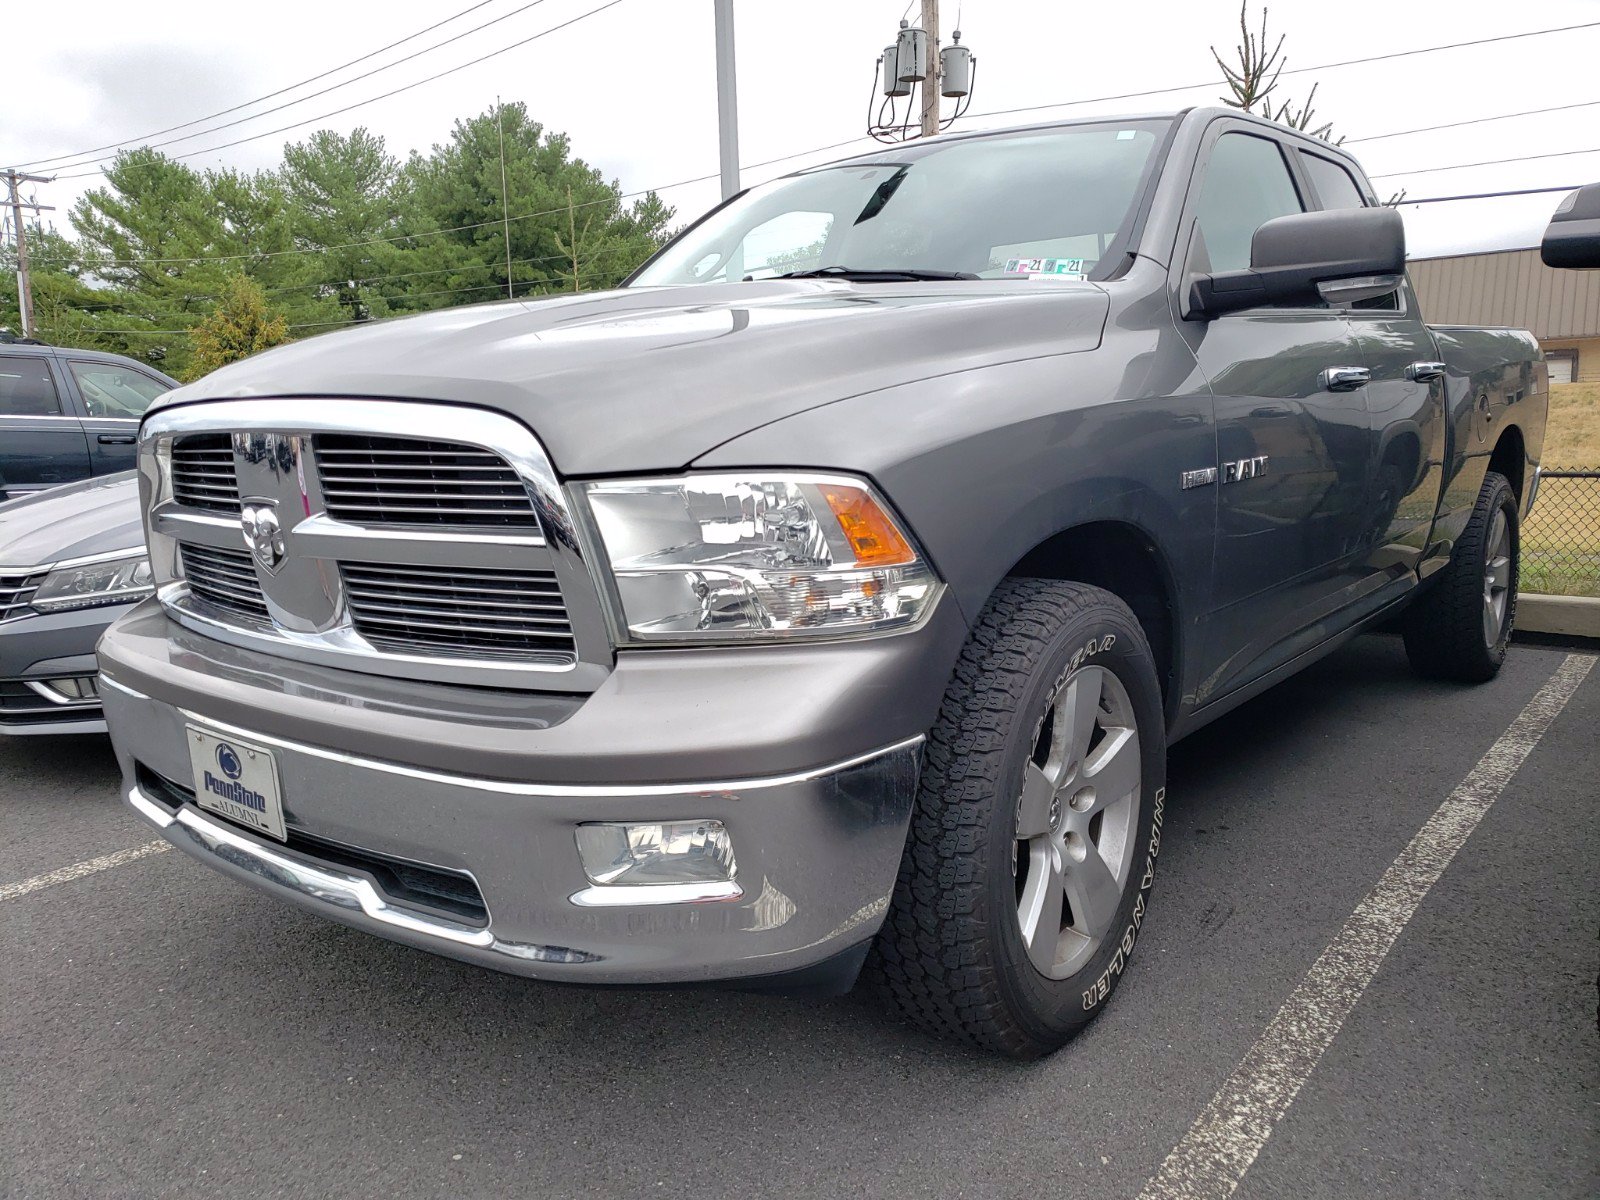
{"x":875,"y":276}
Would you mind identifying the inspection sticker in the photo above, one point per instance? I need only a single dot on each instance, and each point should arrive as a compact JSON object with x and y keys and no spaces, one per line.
{"x":1070,"y":268}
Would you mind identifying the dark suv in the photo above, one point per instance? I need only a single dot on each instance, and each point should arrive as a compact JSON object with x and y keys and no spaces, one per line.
{"x":68,"y":414}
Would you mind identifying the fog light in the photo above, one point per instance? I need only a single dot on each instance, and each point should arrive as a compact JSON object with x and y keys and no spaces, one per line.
{"x":72,"y":689}
{"x":670,"y":852}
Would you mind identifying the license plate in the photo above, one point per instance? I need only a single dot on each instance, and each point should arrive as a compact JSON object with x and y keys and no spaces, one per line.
{"x":237,"y":780}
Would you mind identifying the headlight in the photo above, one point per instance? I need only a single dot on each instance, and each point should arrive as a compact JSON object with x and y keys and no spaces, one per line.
{"x":113,"y":581}
{"x":747,"y":556}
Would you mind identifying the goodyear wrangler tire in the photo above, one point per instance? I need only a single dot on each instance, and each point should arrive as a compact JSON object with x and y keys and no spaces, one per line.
{"x":1032,"y":848}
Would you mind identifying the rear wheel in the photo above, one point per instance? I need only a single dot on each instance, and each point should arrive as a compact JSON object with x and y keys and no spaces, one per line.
{"x":1032,"y":848}
{"x":1461,"y":627}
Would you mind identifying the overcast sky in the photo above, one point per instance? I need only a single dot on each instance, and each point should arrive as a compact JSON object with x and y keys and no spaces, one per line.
{"x":635,"y":85}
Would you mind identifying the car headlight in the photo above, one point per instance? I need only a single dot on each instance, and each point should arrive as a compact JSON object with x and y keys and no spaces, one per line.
{"x":111,"y":581}
{"x":757,"y":557}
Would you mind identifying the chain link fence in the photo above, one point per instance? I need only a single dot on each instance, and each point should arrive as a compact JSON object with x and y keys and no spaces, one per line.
{"x":1561,"y":540}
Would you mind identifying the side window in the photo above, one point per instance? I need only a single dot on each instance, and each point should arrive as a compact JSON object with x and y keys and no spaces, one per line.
{"x":1335,"y":188}
{"x":112,"y":390}
{"x":1247,"y":183}
{"x":791,"y":241}
{"x":26,"y":388}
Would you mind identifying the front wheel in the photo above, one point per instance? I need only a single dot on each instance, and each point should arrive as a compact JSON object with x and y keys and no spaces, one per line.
{"x":1461,"y":627}
{"x":1032,"y":847}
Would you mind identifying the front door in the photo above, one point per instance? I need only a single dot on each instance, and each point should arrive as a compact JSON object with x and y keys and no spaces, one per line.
{"x":112,"y":397}
{"x":1292,"y":470}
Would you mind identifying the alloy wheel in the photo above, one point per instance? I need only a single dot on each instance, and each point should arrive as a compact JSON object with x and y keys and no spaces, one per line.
{"x":1075,"y":821}
{"x":1497,"y":579}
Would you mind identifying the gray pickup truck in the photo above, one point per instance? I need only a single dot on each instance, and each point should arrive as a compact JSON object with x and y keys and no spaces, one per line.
{"x":827,"y":596}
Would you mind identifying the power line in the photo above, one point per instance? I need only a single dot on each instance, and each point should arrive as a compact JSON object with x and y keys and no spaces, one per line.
{"x":1491,"y":162}
{"x":1491,"y":195}
{"x":374,"y":99}
{"x":313,"y":95}
{"x":270,"y":95}
{"x":1531,"y":112}
{"x":1349,"y":62}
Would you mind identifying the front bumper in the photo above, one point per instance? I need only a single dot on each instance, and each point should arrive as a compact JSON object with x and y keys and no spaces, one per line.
{"x":818,"y":841}
{"x":34,"y":649}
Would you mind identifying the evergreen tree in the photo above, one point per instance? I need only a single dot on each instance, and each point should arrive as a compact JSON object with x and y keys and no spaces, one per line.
{"x":240,"y":325}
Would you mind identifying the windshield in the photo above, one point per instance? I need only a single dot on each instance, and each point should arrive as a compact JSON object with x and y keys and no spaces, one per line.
{"x":1050,"y":203}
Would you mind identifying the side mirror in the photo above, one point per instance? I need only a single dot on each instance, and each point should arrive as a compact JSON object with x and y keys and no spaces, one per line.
{"x":1341,"y":256}
{"x":1572,"y":239}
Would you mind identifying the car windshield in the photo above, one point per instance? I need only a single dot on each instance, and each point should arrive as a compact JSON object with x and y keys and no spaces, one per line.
{"x":1023,"y":205}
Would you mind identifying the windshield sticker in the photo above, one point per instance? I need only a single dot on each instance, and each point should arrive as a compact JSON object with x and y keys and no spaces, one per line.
{"x":1070,"y":268}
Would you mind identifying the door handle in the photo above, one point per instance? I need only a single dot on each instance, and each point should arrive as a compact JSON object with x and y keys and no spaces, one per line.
{"x":1422,"y":372}
{"x":116,"y":439}
{"x":1345,"y":379}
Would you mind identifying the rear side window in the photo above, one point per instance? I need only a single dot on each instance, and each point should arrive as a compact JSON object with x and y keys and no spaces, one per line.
{"x":111,"y":390}
{"x":1247,"y":184}
{"x":26,"y":388}
{"x":1335,"y":186}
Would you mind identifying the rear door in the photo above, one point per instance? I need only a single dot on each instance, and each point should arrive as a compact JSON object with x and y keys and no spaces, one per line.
{"x":1405,"y":398}
{"x":1291,"y":474}
{"x":42,"y":442}
{"x":111,"y":398}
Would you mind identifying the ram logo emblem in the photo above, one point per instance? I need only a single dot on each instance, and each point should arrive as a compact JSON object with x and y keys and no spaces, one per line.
{"x":1244,"y":468}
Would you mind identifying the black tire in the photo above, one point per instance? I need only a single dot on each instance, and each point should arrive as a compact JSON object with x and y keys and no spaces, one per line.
{"x":1446,"y":630}
{"x":951,"y":954}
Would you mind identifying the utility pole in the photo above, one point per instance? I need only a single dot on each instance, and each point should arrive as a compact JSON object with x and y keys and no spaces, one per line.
{"x":727,"y":100}
{"x":930,"y":86}
{"x":915,"y":60}
{"x":14,"y":181}
{"x":505,"y":204}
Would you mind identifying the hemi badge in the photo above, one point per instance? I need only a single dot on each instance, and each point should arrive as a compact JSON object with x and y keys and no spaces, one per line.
{"x":1194,"y":479}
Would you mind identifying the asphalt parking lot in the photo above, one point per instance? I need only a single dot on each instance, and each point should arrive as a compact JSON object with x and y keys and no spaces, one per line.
{"x":164,"y":1032}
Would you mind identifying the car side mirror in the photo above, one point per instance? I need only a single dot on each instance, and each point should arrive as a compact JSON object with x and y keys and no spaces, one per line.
{"x":1572,"y":239}
{"x":1337,"y":257}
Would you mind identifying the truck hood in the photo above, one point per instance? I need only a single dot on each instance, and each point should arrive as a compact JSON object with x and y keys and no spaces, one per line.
{"x":647,"y":379}
{"x":95,"y":516}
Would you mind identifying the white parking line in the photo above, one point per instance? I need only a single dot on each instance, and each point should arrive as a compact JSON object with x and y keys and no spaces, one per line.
{"x":105,"y":862}
{"x":1225,"y":1139}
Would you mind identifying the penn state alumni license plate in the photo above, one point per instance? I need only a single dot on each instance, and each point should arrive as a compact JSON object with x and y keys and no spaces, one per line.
{"x":237,"y":780}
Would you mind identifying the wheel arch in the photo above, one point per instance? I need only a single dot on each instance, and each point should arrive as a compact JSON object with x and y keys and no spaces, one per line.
{"x":1127,"y":561}
{"x":1510,"y":458}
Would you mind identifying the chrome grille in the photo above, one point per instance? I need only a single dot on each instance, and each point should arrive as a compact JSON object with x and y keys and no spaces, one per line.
{"x":370,"y":480}
{"x":224,"y":578}
{"x":16,"y":591}
{"x":203,"y":473}
{"x":458,"y":610}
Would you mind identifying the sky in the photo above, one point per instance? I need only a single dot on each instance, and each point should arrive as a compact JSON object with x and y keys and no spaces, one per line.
{"x":634,"y":84}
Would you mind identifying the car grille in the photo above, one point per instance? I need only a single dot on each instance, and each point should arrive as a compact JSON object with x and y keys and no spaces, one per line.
{"x":16,"y":591}
{"x":458,"y":610}
{"x":370,"y":480}
{"x":224,"y":578}
{"x":203,"y":474}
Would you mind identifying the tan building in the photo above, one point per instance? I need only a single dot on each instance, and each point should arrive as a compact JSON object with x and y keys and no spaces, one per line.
{"x":1512,"y":287}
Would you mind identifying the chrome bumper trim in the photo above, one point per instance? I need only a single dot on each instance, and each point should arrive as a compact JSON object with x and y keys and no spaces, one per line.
{"x":506,"y":787}
{"x":317,"y":883}
{"x":45,"y":728}
{"x":614,"y":896}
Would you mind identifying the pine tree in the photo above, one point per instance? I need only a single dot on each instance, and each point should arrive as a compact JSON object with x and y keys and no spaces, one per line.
{"x":240,"y":325}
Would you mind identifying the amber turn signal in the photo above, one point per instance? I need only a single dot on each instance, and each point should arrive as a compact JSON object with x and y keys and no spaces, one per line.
{"x":870,"y":531}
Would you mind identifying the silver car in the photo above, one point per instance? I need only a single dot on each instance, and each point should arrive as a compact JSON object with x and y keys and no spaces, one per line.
{"x":72,"y":559}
